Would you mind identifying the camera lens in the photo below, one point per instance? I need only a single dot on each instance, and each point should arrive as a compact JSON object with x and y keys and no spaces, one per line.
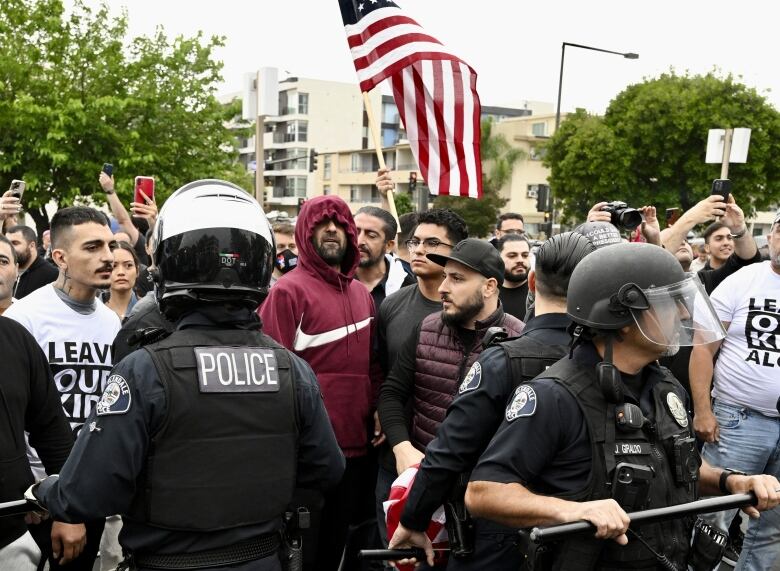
{"x":630,"y":218}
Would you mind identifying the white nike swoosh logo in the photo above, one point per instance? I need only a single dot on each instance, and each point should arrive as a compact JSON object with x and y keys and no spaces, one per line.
{"x":305,"y":341}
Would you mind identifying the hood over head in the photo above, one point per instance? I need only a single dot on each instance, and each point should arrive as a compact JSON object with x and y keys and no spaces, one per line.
{"x":312,"y":213}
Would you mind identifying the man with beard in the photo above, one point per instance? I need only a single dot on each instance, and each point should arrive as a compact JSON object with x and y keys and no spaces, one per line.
{"x":516,"y":253}
{"x":432,"y":362}
{"x":75,"y":331}
{"x":379,"y":270}
{"x":325,"y":316}
{"x":8,"y":273}
{"x":34,"y":271}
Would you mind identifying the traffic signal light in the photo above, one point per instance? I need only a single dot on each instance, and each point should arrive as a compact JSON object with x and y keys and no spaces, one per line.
{"x":312,"y":160}
{"x":301,"y":202}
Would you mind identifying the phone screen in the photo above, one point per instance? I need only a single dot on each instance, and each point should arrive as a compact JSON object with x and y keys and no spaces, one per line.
{"x":672,"y":215}
{"x":145,"y":185}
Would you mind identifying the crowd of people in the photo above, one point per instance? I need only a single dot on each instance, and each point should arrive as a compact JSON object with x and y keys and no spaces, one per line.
{"x":178,"y":383}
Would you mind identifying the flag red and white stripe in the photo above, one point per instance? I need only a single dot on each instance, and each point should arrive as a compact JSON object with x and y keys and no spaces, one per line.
{"x":435,"y":92}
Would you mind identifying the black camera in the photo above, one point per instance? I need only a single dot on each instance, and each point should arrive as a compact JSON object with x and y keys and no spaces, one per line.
{"x":623,"y":216}
{"x":686,"y":460}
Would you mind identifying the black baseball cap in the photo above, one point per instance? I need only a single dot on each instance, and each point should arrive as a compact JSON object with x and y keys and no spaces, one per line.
{"x":479,"y":255}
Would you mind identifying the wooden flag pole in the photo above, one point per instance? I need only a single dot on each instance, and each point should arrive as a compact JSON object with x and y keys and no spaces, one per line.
{"x":378,"y":148}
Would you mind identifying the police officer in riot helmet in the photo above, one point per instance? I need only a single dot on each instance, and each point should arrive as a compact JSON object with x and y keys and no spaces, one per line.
{"x":201,"y":436}
{"x":627,"y":442}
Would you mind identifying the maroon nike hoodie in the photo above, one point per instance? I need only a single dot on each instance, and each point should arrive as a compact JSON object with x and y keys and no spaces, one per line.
{"x":327,"y":318}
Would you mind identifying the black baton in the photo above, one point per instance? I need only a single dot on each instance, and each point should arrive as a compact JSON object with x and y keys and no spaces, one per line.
{"x":392,"y":554}
{"x":17,"y":507}
{"x":541,"y":535}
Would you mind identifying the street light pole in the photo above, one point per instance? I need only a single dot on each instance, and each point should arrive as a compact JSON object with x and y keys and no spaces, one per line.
{"x":627,"y":55}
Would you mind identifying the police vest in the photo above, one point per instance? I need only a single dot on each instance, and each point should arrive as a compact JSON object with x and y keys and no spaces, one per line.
{"x":529,"y":358}
{"x":651,"y":446}
{"x":225,"y":454}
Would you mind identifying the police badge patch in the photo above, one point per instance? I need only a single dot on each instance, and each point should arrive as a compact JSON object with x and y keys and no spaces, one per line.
{"x":116,"y":398}
{"x":677,"y":409}
{"x":523,"y":403}
{"x":472,"y":379}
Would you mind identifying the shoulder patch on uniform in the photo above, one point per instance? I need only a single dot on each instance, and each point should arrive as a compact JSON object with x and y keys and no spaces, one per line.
{"x":523,"y":403}
{"x":677,"y":409}
{"x":472,"y":379}
{"x":116,"y":397}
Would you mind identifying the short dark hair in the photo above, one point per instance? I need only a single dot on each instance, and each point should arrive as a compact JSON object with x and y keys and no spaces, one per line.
{"x":509,"y":216}
{"x":284,"y":228}
{"x":389,"y":225}
{"x":511,"y":238}
{"x":27,"y":233}
{"x":555,"y":261}
{"x":408,"y":223}
{"x":4,"y":240}
{"x":711,"y":229}
{"x":452,"y":221}
{"x":65,"y":218}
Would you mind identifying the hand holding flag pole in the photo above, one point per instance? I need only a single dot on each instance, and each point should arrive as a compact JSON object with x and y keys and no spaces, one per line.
{"x":434,"y":90}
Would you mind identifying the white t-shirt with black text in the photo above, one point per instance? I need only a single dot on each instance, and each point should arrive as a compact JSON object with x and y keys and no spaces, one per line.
{"x":77,"y":346}
{"x":747,"y":372}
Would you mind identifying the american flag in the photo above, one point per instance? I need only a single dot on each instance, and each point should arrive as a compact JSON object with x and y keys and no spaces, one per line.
{"x":435,"y":92}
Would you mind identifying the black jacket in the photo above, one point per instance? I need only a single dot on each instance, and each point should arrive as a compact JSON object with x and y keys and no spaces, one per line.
{"x":39,"y":274}
{"x":29,"y":401}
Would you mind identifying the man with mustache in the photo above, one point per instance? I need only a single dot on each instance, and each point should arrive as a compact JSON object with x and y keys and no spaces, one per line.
{"x":323,"y":314}
{"x":379,"y":270}
{"x":435,"y":357}
{"x":75,"y":331}
{"x":34,"y":271}
{"x":513,"y":292}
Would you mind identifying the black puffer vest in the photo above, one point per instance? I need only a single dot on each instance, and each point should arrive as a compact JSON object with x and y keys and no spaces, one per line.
{"x":650,"y":446}
{"x":225,"y":454}
{"x":442,"y":360}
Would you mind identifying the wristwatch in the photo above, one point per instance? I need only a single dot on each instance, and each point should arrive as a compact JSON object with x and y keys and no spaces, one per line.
{"x":740,"y":233}
{"x":724,"y":475}
{"x":114,"y":192}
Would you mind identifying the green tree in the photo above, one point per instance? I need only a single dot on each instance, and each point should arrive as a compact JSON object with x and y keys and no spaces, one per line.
{"x":403,"y":203}
{"x":78,"y":92}
{"x":499,"y":159}
{"x":650,"y":145}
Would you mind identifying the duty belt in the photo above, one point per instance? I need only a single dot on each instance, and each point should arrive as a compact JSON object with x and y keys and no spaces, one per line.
{"x":250,"y":550}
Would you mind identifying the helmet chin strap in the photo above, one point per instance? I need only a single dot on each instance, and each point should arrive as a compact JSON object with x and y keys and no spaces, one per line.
{"x":610,"y":380}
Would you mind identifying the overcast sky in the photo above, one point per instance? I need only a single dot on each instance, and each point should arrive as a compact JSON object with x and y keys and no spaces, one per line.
{"x":514,"y":46}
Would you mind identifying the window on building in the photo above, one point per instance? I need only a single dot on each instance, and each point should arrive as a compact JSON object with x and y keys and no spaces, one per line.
{"x":326,"y":190}
{"x":295,"y":186}
{"x":355,"y":162}
{"x":283,"y":102}
{"x":389,"y":137}
{"x":326,"y":166}
{"x":537,"y":153}
{"x":303,"y":131}
{"x":390,"y":113}
{"x":289,"y":132}
{"x":301,"y":161}
{"x":303,"y":103}
{"x":539,"y":129}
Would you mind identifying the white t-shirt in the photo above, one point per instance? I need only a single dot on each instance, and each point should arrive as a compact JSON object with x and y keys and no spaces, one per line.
{"x":747,"y":372}
{"x":78,"y":347}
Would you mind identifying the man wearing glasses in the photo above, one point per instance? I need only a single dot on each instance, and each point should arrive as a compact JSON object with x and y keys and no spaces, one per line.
{"x":508,"y":223}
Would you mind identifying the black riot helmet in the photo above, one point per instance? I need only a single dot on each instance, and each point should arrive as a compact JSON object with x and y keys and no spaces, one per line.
{"x":213,"y":243}
{"x":641,"y":284}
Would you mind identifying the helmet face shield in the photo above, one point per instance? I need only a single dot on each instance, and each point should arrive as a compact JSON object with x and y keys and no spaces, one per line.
{"x":679,"y":315}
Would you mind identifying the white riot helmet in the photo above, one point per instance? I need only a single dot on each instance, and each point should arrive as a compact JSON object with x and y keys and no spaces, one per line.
{"x":213,"y":243}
